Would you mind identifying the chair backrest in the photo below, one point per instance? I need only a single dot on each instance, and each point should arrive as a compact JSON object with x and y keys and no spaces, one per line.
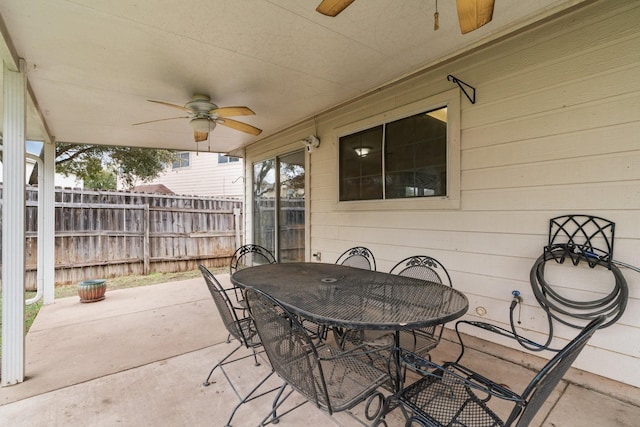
{"x":358,"y":257}
{"x":227,"y":312}
{"x":249,"y":256}
{"x":291,"y":352}
{"x":422,"y":267}
{"x":548,"y":378}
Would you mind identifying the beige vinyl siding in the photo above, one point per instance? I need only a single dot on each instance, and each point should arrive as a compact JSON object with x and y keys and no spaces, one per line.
{"x":555,"y":131}
{"x":205,"y":177}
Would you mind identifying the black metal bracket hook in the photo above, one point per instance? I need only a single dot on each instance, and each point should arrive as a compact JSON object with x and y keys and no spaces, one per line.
{"x":463,"y":86}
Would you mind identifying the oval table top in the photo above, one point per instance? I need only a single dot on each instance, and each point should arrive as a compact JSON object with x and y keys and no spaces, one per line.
{"x":353,"y":298}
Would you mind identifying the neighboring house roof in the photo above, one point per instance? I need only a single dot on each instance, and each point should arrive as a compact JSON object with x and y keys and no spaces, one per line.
{"x":152,"y":188}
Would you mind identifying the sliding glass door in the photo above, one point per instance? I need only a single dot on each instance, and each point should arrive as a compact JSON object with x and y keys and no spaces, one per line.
{"x":279,"y":206}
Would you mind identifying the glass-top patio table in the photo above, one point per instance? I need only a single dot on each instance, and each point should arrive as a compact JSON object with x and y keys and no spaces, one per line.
{"x":337,"y":296}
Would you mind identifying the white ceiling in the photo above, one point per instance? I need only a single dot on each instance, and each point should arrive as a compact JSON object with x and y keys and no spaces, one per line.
{"x":93,"y":64}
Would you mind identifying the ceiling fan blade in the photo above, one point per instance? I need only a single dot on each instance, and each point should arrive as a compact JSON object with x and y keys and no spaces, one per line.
{"x":179,"y":107}
{"x":200,"y":136}
{"x":333,"y":7}
{"x":243,"y":127}
{"x":473,"y":14}
{"x":160,"y":120}
{"x":232,"y":111}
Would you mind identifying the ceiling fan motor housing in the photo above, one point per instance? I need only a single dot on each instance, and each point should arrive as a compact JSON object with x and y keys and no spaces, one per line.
{"x":200,"y":104}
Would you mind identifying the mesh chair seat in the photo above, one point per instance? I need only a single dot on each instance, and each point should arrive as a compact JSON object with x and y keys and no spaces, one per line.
{"x":352,"y":340}
{"x":447,"y":399}
{"x":422,"y":340}
{"x":453,"y":395}
{"x":248,"y":334}
{"x":348,"y":378}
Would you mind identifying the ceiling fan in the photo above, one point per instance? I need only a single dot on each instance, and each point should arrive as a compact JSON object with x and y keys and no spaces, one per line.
{"x":472,"y":14}
{"x":205,"y":115}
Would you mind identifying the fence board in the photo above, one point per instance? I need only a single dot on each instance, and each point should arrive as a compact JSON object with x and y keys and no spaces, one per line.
{"x":108,"y":234}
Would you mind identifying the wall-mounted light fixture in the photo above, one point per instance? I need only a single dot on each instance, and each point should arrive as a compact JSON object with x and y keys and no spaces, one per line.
{"x":362,"y":151}
{"x":311,"y":142}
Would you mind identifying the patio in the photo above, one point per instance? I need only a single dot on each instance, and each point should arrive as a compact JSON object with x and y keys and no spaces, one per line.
{"x":139,"y":358}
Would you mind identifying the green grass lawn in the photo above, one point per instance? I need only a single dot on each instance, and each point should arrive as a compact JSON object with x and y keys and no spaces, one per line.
{"x":31,"y":311}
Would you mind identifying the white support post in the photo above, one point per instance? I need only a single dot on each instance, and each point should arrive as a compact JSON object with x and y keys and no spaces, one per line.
{"x":13,"y":225}
{"x":49,"y":213}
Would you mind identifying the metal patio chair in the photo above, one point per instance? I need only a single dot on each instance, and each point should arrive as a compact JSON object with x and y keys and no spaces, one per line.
{"x":241,"y":327}
{"x":359,"y":257}
{"x":453,"y":395}
{"x":248,"y":256}
{"x":425,"y":268}
{"x":332,"y":379}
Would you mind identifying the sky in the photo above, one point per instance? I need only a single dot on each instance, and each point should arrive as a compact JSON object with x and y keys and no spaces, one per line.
{"x":34,"y":147}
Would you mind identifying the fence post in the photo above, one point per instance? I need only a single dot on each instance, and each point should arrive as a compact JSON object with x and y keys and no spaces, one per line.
{"x":236,"y":217}
{"x":145,"y":244}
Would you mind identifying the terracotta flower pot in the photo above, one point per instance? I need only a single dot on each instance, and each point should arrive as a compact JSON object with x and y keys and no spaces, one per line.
{"x":92,"y":290}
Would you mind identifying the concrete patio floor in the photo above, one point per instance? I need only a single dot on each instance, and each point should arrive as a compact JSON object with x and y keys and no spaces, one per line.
{"x":139,"y":357}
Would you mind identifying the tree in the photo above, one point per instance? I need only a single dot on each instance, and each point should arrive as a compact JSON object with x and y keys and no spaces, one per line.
{"x":102,"y":180}
{"x":261,"y":185}
{"x":95,"y":163}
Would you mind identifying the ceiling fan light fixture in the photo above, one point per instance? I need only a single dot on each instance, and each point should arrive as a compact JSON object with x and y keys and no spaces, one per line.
{"x":202,"y":124}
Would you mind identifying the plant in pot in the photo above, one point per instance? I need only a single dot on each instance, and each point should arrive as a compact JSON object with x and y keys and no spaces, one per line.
{"x":92,"y":290}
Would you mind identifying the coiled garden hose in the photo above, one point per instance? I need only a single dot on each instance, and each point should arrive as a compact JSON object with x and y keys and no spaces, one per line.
{"x":555,"y":305}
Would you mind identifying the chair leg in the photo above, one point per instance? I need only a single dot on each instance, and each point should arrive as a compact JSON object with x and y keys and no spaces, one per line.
{"x":277,"y":402}
{"x":220,"y":363}
{"x":249,"y":398}
{"x":255,"y":357}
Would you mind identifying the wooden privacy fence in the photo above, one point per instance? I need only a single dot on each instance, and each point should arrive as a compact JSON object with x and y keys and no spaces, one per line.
{"x":102,"y":234}
{"x":291,"y":226}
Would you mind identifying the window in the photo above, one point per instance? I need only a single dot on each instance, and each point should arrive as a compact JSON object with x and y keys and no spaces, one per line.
{"x":361,"y":165}
{"x":182,"y":161}
{"x":413,"y":155}
{"x":410,"y":153}
{"x":227,"y":159}
{"x":416,"y":156}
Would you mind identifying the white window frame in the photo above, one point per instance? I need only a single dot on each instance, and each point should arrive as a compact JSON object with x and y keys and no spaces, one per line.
{"x":180,"y":154}
{"x":228,"y":159}
{"x":450,"y":99}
